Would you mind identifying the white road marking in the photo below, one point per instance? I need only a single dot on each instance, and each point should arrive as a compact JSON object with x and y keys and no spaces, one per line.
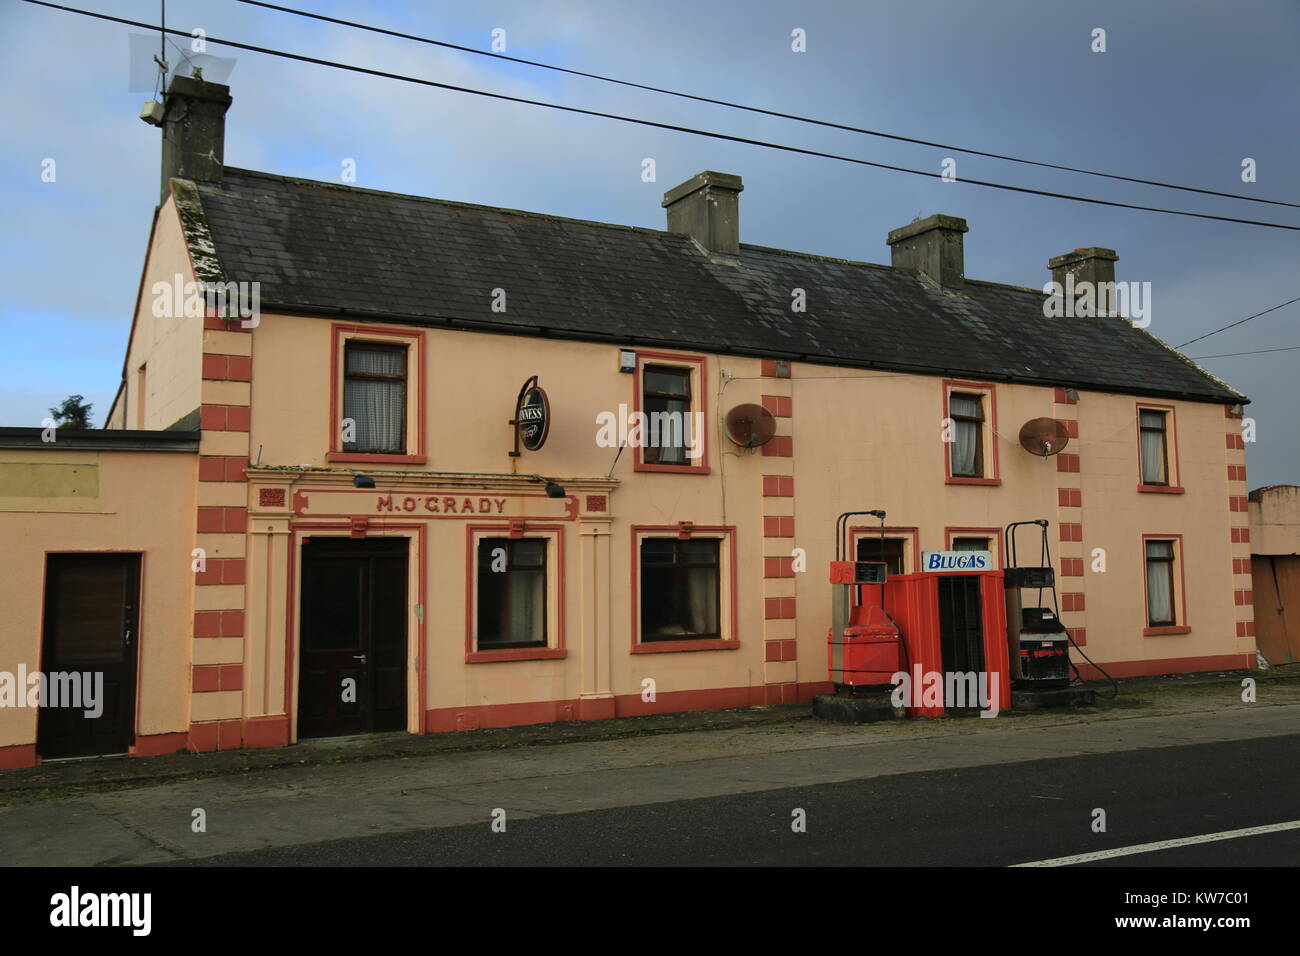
{"x":1164,"y":845}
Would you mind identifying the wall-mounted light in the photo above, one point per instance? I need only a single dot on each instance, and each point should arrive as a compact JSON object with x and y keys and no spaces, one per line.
{"x":626,"y":360}
{"x":554,"y":491}
{"x":363,"y":481}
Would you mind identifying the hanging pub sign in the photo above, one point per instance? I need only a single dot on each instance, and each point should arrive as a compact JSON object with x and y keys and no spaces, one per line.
{"x":532,"y":421}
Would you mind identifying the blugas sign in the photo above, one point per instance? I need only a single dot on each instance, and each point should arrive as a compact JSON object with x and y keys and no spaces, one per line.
{"x":956,"y":560}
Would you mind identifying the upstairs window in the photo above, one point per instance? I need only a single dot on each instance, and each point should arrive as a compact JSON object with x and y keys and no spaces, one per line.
{"x":1154,"y":446}
{"x":967,"y":413}
{"x":374,"y":398}
{"x":970,"y":544}
{"x":511,"y":593}
{"x":680,"y":589}
{"x":669,"y":408}
{"x":667,"y":404}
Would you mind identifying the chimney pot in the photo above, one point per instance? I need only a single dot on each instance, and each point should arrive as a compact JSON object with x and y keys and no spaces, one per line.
{"x":194,"y":131}
{"x":707,"y":208}
{"x":1092,"y":265}
{"x":931,"y":247}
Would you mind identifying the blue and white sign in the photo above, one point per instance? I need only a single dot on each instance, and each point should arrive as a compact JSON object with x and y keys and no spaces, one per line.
{"x":956,"y":560}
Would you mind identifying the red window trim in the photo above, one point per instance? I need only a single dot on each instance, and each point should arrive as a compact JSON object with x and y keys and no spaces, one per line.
{"x":549,"y":653}
{"x":992,"y":464}
{"x":725,"y":532}
{"x":1162,"y":629}
{"x":953,"y":531}
{"x":341,"y":332}
{"x":1171,"y":450}
{"x":680,"y":359}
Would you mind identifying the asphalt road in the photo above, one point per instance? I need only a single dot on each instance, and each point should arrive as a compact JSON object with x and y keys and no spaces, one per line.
{"x":982,"y":816}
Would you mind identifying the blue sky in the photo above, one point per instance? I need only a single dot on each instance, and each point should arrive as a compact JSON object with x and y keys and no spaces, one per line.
{"x":1185,"y":90}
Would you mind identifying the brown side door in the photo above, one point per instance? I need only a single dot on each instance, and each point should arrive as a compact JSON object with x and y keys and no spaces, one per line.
{"x":1276,"y":580}
{"x":352,"y":663}
{"x":91,"y":630}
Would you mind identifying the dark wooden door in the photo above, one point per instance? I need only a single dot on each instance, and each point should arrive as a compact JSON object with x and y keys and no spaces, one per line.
{"x":961,"y":629}
{"x":352,"y":663}
{"x":88,"y":654}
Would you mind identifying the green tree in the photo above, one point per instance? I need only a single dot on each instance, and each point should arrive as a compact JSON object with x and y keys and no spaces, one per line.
{"x":73,"y":413}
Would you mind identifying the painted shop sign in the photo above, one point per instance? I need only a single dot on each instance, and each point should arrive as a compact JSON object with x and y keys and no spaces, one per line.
{"x":429,"y":504}
{"x":956,"y":560}
{"x":445,"y":504}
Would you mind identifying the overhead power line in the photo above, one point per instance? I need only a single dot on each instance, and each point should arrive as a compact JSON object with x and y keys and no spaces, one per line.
{"x":666,"y":126}
{"x":757,"y":109}
{"x":1238,"y":322}
{"x":1288,"y":348}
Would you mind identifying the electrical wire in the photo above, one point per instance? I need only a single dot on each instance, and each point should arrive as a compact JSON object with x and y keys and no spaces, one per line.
{"x":1288,"y":348}
{"x":1233,"y":325}
{"x":367,"y":71}
{"x":755,"y":109}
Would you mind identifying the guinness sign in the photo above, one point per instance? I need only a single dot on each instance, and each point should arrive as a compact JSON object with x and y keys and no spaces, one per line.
{"x":532,"y":421}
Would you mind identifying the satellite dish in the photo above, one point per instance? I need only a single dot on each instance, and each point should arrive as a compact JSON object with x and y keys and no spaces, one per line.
{"x":750,"y":425}
{"x":1043,"y":436}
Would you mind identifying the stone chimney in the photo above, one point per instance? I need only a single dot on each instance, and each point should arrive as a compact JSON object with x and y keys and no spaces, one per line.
{"x":707,"y":208}
{"x":932,"y":247}
{"x":1092,"y":265}
{"x":194,"y":131}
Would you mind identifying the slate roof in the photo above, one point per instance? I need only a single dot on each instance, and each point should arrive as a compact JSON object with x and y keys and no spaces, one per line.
{"x":329,"y":249}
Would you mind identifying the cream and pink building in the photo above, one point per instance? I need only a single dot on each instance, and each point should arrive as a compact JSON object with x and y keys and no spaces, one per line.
{"x":308,"y":518}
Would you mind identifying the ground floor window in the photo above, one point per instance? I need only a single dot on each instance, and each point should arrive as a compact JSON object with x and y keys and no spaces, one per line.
{"x":511,"y":593}
{"x":680,"y":589}
{"x":891,"y":551}
{"x":1161,"y":607}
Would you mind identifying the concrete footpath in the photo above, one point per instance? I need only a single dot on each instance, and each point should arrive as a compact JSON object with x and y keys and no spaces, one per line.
{"x":75,"y":814}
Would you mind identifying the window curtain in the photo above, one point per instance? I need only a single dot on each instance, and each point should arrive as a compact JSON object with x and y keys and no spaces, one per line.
{"x":526,"y":600}
{"x":1153,"y":448}
{"x":674,"y":432}
{"x":965,"y":434}
{"x":1160,"y":597}
{"x":702,"y":595}
{"x":378,"y":408}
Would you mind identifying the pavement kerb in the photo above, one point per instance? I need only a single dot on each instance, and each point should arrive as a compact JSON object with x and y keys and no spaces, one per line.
{"x":1139,"y":697}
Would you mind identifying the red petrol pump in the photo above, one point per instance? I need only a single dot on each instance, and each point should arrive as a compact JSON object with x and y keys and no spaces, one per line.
{"x":864,"y":647}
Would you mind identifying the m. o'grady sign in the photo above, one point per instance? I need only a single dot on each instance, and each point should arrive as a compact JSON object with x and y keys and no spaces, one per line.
{"x":956,"y":560}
